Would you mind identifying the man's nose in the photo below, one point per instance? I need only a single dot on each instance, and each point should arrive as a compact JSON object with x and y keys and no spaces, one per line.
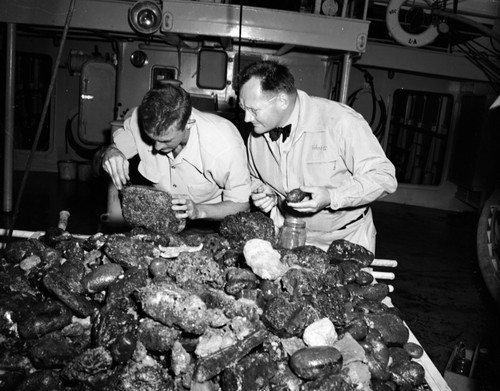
{"x":159,"y":145}
{"x":248,"y":116}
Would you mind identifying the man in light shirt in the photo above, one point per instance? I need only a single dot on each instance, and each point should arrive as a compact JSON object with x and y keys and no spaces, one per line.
{"x":199,"y":158}
{"x":327,"y":150}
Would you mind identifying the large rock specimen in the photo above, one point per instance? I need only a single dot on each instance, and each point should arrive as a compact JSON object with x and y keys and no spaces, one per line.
{"x":243,"y":226}
{"x":171,"y":305}
{"x":342,"y":250}
{"x":144,"y":206}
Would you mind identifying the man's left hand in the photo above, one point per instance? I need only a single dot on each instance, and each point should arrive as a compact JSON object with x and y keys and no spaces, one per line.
{"x":184,"y":207}
{"x":319,"y":198}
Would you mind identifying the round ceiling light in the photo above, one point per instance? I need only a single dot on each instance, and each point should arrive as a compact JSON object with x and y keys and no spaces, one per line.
{"x":145,"y":17}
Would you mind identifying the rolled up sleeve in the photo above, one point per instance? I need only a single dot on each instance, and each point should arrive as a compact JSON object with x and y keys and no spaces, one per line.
{"x":233,"y":176}
{"x":124,"y":137}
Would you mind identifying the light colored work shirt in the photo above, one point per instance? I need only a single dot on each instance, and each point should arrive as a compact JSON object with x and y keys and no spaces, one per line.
{"x":211,"y":168}
{"x":331,"y":146}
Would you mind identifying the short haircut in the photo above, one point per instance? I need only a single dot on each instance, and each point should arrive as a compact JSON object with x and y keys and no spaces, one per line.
{"x":163,"y":107}
{"x":274,"y":76}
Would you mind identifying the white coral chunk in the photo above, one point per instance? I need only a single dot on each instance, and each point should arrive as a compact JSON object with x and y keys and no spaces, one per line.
{"x":322,"y":332}
{"x":263,"y":259}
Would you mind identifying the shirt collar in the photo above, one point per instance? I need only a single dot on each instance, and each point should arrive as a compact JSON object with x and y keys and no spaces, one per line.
{"x":293,"y":119}
{"x":191,"y":152}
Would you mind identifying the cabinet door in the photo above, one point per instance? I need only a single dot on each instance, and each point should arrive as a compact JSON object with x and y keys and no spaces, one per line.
{"x":97,"y":102}
{"x":418,"y":136}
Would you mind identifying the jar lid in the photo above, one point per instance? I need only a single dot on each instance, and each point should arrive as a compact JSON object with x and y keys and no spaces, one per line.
{"x":294,"y":221}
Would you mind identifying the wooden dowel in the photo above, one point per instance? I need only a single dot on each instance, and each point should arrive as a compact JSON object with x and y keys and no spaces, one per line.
{"x":63,"y":220}
{"x":384,"y":263}
{"x":383,"y":275}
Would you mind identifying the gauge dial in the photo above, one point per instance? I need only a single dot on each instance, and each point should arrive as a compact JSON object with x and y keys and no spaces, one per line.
{"x":329,"y":7}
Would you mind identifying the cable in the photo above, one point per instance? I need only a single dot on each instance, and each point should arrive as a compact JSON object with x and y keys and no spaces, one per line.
{"x":486,"y":49}
{"x":480,"y":59}
{"x":378,"y":130}
{"x":42,"y":119}
{"x":492,"y":43}
{"x":478,"y":26}
{"x":479,"y":55}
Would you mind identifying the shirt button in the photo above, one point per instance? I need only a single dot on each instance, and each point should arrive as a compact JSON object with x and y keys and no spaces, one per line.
{"x":173,"y":168}
{"x":174,"y":185}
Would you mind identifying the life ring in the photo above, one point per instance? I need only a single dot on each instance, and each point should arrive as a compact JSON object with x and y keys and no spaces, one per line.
{"x":400,"y":35}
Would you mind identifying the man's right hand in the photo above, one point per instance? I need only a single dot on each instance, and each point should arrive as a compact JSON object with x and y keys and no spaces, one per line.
{"x":116,"y":165}
{"x":264,"y":197}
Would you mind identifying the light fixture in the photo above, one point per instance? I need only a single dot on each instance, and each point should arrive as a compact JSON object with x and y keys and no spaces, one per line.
{"x":145,"y":17}
{"x":138,"y":59}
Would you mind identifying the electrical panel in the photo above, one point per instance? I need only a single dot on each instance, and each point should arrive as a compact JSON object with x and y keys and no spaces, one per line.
{"x":97,"y":102}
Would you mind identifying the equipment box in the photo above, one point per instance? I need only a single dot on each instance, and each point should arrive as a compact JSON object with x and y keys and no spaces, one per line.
{"x":459,"y":370}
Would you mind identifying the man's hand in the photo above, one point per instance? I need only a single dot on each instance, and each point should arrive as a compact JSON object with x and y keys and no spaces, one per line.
{"x":263,"y":197}
{"x":185,"y":208}
{"x":319,"y":199}
{"x":116,"y":165}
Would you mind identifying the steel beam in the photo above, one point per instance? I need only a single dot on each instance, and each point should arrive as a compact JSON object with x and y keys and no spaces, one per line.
{"x":266,"y":25}
{"x":199,"y":18}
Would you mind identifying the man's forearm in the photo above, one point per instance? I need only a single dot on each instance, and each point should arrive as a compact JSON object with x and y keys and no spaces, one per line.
{"x":97,"y":160}
{"x":222,"y":209}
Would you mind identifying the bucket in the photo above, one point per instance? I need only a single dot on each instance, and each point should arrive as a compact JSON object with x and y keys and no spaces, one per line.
{"x":67,"y":170}
{"x":84,"y":171}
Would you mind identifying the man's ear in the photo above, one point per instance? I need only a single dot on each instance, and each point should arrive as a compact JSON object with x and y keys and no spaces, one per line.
{"x":283,"y":100}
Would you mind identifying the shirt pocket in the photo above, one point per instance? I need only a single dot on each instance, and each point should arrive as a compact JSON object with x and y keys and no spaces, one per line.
{"x":320,"y":172}
{"x":204,"y":192}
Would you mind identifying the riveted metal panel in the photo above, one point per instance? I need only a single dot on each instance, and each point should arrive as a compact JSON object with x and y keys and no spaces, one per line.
{"x":266,"y":25}
{"x":199,"y":18}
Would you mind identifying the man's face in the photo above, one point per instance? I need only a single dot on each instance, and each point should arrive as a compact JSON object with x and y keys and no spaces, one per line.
{"x":262,"y":110}
{"x":169,"y":139}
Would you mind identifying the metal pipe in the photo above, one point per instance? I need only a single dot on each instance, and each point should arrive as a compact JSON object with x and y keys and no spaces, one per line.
{"x":10,"y":77}
{"x":365,"y":10}
{"x":343,"y":12}
{"x":346,"y":72}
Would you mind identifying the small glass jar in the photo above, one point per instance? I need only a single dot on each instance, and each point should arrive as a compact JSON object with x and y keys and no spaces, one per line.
{"x":292,"y":233}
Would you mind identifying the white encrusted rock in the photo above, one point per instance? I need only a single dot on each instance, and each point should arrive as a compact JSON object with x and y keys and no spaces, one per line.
{"x":263,"y":259}
{"x":322,"y":332}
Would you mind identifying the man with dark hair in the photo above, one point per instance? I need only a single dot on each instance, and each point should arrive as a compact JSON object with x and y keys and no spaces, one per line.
{"x":199,"y":158}
{"x":323,"y":147}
